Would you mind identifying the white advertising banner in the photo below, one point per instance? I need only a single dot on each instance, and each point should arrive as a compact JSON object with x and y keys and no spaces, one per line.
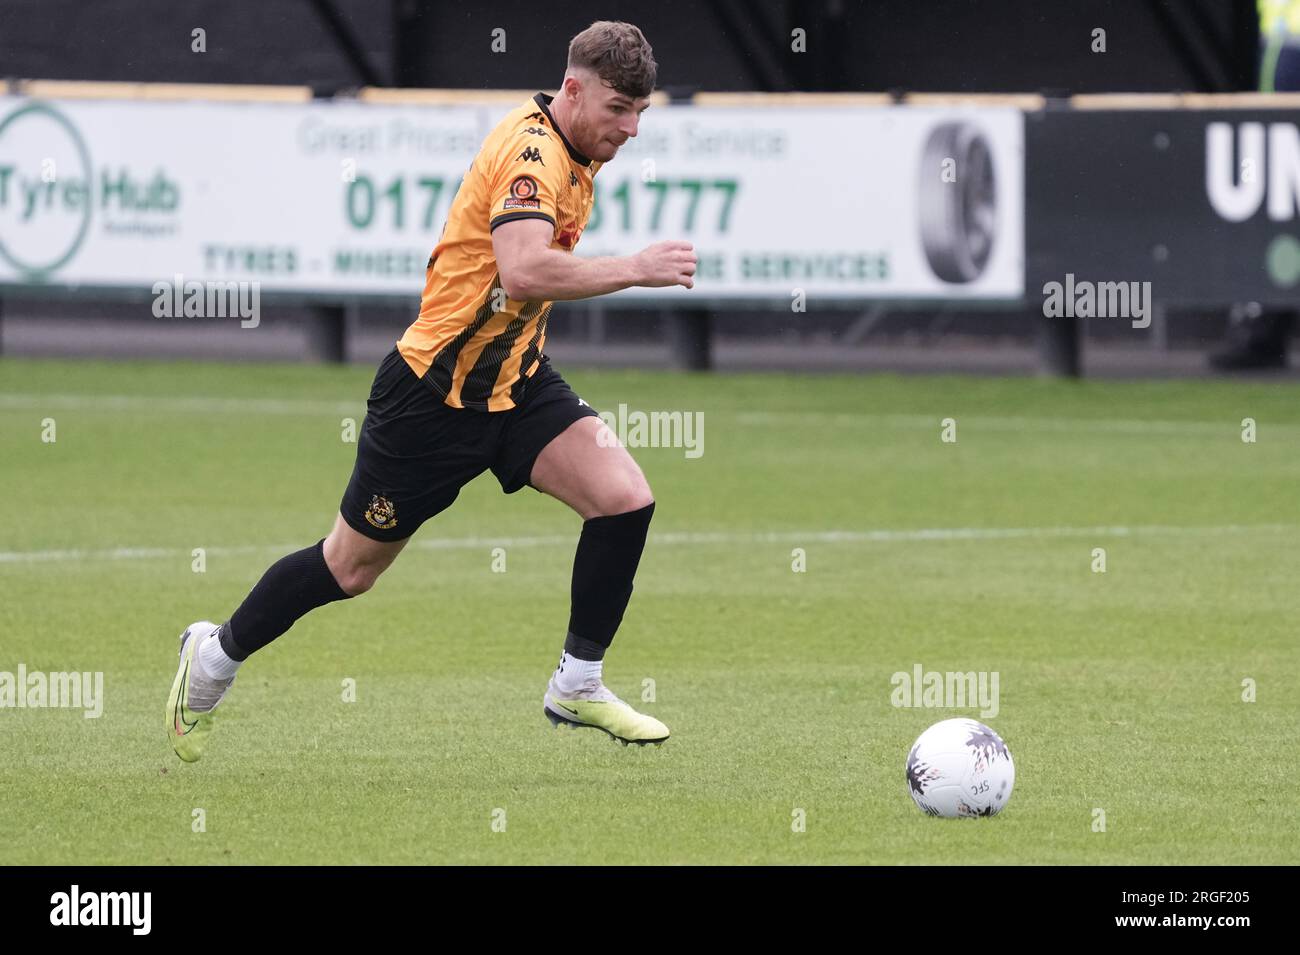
{"x":340,"y":198}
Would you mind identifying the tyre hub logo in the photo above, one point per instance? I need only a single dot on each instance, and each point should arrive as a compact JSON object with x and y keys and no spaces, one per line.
{"x":45,"y":191}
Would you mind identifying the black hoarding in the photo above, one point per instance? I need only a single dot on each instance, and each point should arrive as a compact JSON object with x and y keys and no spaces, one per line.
{"x":1203,"y":204}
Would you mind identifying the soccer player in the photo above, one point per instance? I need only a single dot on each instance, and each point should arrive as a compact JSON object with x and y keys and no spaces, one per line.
{"x":468,"y":387}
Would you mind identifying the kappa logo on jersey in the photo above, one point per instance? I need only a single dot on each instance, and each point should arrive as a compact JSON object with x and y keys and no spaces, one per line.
{"x":540,"y":117}
{"x":573,"y":180}
{"x":381,"y":513}
{"x":530,"y":154}
{"x":535,"y":131}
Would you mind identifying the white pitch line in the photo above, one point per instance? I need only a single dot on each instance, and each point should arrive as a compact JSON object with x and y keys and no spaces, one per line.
{"x":1230,"y":426}
{"x":180,"y":404}
{"x":670,"y":538}
{"x":177,"y":404}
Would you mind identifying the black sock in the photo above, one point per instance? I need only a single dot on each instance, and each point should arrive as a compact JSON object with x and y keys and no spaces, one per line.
{"x":608,"y":553}
{"x":582,"y":649}
{"x":291,"y":587}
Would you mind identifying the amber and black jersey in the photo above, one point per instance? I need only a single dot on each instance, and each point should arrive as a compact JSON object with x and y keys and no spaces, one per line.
{"x":471,"y":343}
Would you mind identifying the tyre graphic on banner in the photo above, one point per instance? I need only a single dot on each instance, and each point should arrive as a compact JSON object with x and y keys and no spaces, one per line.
{"x":957,"y":214}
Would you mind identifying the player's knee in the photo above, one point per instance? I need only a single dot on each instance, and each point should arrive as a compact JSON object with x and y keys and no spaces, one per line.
{"x":354,"y":575}
{"x":356,"y":579}
{"x":354,"y":561}
{"x":641,"y":498}
{"x":632,"y":496}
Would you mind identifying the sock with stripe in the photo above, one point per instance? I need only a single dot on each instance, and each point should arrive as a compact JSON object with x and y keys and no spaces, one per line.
{"x":580,"y":662}
{"x":213,"y":660}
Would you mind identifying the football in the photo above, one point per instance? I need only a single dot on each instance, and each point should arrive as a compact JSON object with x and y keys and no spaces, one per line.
{"x":960,"y":768}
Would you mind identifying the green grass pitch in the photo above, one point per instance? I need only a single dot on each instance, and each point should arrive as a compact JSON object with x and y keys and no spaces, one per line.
{"x":1119,"y":691}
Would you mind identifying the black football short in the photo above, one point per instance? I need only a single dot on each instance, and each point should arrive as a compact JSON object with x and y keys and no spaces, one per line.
{"x":415,"y":452}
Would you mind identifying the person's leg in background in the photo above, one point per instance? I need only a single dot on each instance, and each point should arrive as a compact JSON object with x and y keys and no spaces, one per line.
{"x":1257,"y":339}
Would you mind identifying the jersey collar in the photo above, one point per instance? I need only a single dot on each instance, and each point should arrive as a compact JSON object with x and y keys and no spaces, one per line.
{"x":544,"y":101}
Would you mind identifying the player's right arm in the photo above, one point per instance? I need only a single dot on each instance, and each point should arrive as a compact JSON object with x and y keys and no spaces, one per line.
{"x":532,"y":271}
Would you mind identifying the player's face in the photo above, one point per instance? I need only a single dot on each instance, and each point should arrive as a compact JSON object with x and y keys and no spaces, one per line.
{"x":606,"y":119}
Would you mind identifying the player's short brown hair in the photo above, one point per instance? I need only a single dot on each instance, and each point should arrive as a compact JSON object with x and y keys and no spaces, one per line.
{"x":618,"y":53}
